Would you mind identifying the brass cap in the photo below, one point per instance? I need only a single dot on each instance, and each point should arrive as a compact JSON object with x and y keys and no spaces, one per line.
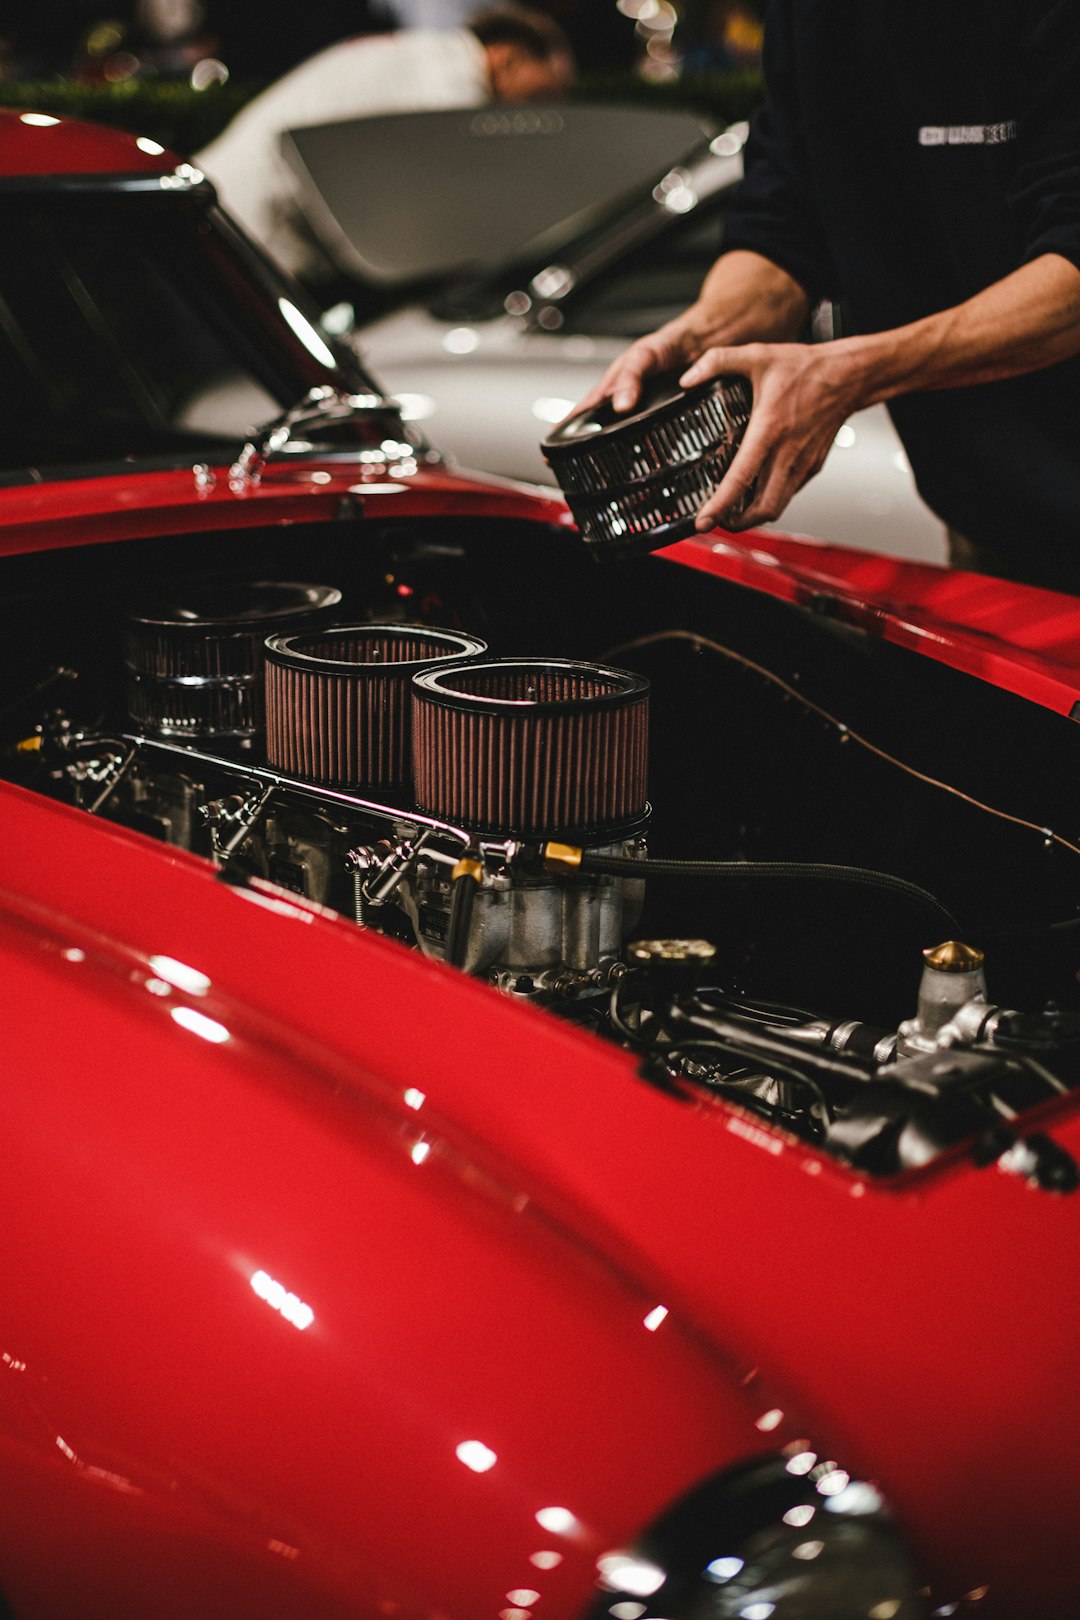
{"x":953,"y":957}
{"x":467,"y":867}
{"x":562,"y":857}
{"x":672,"y":950}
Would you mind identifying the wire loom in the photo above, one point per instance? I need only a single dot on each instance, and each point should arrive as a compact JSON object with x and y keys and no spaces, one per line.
{"x":845,"y":732}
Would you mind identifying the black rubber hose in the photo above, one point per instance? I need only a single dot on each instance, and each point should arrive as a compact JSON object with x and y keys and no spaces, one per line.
{"x":777,"y":871}
{"x":461,"y":909}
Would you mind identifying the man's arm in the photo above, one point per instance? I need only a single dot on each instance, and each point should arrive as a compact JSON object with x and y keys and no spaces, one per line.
{"x":744,"y":298}
{"x":803,"y":393}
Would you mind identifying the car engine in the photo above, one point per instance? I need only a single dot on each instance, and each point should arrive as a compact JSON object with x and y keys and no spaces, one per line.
{"x":388,"y":771}
{"x":493,"y":812}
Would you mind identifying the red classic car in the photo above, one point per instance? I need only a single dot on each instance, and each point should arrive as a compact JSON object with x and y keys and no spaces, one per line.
{"x":460,"y":1163}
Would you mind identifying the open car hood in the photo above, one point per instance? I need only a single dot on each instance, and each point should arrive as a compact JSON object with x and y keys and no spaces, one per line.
{"x":486,"y":186}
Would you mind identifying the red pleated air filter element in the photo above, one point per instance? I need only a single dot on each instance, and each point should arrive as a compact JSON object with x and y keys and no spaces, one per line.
{"x":526,"y":748}
{"x":337,"y":701}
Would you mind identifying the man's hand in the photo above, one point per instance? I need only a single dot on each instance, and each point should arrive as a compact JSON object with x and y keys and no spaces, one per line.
{"x":803,"y":393}
{"x":744,"y":296}
{"x":802,"y":396}
{"x":667,"y":349}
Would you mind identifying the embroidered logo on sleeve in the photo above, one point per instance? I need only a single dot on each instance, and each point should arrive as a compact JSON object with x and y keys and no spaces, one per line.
{"x":968,"y":134}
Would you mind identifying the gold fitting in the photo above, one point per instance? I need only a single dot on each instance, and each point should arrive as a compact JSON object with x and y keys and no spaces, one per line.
{"x":562,"y":857}
{"x":953,"y":957}
{"x":468,"y":867}
{"x":673,"y":950}
{"x":29,"y":745}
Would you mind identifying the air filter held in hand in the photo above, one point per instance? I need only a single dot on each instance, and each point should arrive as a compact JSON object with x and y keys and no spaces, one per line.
{"x":636,"y":482}
{"x":527,"y":748}
{"x":337,"y":701}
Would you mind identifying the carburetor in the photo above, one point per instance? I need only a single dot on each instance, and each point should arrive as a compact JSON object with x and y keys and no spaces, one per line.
{"x":537,"y":760}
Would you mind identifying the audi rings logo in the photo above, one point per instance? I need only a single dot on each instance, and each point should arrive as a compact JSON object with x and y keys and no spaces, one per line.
{"x":518,"y":123}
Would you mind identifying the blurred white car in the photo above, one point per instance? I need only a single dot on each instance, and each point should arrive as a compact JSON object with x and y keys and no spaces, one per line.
{"x":492,"y":352}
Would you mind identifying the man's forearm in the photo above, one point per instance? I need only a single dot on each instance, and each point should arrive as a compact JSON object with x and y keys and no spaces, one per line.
{"x":746,"y":298}
{"x":1026,"y":321}
{"x":803,"y":392}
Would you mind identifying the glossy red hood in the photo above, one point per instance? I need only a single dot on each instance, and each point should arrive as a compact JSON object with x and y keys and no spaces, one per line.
{"x":1017,"y":637}
{"x":559,"y":1200}
{"x":478,"y":1267}
{"x":34,"y":143}
{"x":440,"y":1298}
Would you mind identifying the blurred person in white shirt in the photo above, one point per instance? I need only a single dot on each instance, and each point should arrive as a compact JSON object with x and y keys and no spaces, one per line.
{"x":506,"y":54}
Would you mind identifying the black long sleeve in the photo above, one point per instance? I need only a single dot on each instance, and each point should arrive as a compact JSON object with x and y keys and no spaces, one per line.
{"x":777,"y":212}
{"x":910,"y":155}
{"x":1046,"y":187}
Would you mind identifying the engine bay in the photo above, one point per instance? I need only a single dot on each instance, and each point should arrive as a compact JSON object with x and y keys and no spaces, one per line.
{"x":819,"y":879}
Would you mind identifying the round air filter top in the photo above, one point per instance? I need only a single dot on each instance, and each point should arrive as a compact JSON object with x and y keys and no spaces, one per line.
{"x":337,"y":701}
{"x":195,"y":658}
{"x":525,"y":748}
{"x":635,"y":482}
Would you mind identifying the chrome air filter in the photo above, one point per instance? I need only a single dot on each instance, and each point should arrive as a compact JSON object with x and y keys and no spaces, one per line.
{"x":337,"y":701}
{"x":635,"y":483}
{"x":524,"y":748}
{"x":195,"y":659}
